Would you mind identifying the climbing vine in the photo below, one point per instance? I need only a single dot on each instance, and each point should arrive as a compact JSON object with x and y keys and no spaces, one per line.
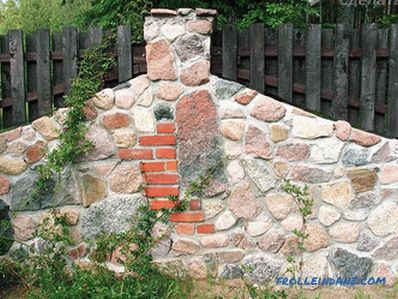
{"x":72,"y":143}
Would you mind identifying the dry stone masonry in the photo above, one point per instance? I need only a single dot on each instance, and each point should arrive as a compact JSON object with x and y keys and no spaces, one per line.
{"x":164,"y":129}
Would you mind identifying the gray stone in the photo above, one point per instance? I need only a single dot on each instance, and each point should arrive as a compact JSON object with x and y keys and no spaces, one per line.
{"x":62,"y":191}
{"x":163,"y":111}
{"x":258,"y":171}
{"x":389,"y":250}
{"x":356,"y":156}
{"x":230,"y":271}
{"x":260,"y":269}
{"x":367,"y":242}
{"x":102,"y":142}
{"x":162,"y":248}
{"x":190,"y":46}
{"x":122,"y":86}
{"x":363,"y":201}
{"x":5,"y":229}
{"x":225,"y":89}
{"x":347,"y":264}
{"x":112,"y":215}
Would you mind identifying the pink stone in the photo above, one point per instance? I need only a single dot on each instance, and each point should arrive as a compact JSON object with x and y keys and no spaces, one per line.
{"x":24,"y":227}
{"x":125,"y":179}
{"x":205,"y":12}
{"x":89,"y":110}
{"x":160,"y":61}
{"x":384,"y":154}
{"x":35,"y":152}
{"x":13,"y":134}
{"x":310,"y":174}
{"x":272,"y":241}
{"x":200,"y":26}
{"x":389,"y":174}
{"x":246,"y":97}
{"x":343,"y":130}
{"x":364,"y":138}
{"x":163,"y":12}
{"x":169,"y":91}
{"x":197,"y":268}
{"x":268,"y":109}
{"x":116,"y":120}
{"x":4,"y":185}
{"x":185,"y":246}
{"x":243,"y":202}
{"x":293,"y":151}
{"x":214,"y":241}
{"x":257,"y":144}
{"x":196,"y":74}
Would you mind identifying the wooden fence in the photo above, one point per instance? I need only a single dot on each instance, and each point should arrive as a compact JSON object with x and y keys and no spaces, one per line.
{"x":339,"y":73}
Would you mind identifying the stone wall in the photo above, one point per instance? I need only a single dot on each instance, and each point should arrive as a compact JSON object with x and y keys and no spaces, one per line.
{"x":166,"y":128}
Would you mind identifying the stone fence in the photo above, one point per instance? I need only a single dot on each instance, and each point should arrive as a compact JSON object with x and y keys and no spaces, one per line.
{"x":164,"y":129}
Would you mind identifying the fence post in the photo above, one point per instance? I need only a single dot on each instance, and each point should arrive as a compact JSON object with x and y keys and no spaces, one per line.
{"x":340,"y":73}
{"x":17,"y":76}
{"x":57,"y":71}
{"x":32,"y":76}
{"x":124,"y":53}
{"x":313,"y":68}
{"x":368,"y":77}
{"x":393,"y":84}
{"x":5,"y":84}
{"x":285,"y":62}
{"x":229,"y":52}
{"x":70,"y":56}
{"x":257,"y":57}
{"x":43,"y":72}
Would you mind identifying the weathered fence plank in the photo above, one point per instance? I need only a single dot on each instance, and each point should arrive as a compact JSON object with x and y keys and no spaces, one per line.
{"x":43,"y":72}
{"x":6,"y":84}
{"x":70,"y":56}
{"x":31,"y":69}
{"x":57,"y":74}
{"x":229,"y":52}
{"x":381,"y":79}
{"x":17,"y":70}
{"x":368,"y":77}
{"x":340,"y":72}
{"x":124,"y":52}
{"x":354,"y":77}
{"x":313,"y":68}
{"x":257,"y":50}
{"x":392,"y":127}
{"x":285,"y":62}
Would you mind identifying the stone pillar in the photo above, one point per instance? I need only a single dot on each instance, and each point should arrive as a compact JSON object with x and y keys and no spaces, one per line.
{"x":178,"y":46}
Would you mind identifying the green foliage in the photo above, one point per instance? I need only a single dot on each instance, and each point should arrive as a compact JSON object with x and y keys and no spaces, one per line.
{"x":275,"y":14}
{"x":72,"y":142}
{"x":30,"y":15}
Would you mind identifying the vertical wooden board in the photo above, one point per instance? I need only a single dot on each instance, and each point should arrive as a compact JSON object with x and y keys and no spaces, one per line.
{"x":229,"y":52}
{"x":125,"y":54}
{"x":313,"y":68}
{"x":257,"y":54}
{"x":57,"y":70}
{"x":327,"y":70}
{"x":84,"y":41}
{"x":381,"y":80}
{"x":95,"y":36}
{"x":271,"y":63}
{"x":43,"y":72}
{"x":31,"y":70}
{"x":285,"y":62}
{"x":354,"y":77}
{"x":5,"y":83}
{"x":340,"y":73}
{"x":70,"y":56}
{"x":368,"y":77}
{"x":17,"y":68}
{"x":215,"y":64}
{"x":393,"y":83}
{"x":244,"y":60}
{"x":299,"y":41}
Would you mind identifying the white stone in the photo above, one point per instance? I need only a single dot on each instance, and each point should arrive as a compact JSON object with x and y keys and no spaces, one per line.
{"x":326,"y":150}
{"x":229,"y":109}
{"x":212,"y":208}
{"x":124,"y":98}
{"x":345,"y":232}
{"x":225,"y":221}
{"x":328,"y":215}
{"x":139,"y":84}
{"x":236,"y":171}
{"x":311,"y":128}
{"x":104,"y":99}
{"x":172,"y":31}
{"x":315,"y":265}
{"x":292,"y":222}
{"x":232,"y":149}
{"x":279,"y":205}
{"x":146,"y":98}
{"x":384,"y":219}
{"x":256,"y":228}
{"x":143,"y":120}
{"x":151,"y":30}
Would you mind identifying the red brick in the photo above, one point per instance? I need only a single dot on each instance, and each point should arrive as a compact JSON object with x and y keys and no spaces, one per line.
{"x":161,"y":179}
{"x":166,"y":128}
{"x":162,"y":204}
{"x":205,"y":229}
{"x":194,"y":204}
{"x":185,"y":229}
{"x":161,"y":191}
{"x":171,"y":165}
{"x":187,"y":217}
{"x":134,"y":154}
{"x":152,"y":166}
{"x":157,"y":140}
{"x":166,"y":153}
